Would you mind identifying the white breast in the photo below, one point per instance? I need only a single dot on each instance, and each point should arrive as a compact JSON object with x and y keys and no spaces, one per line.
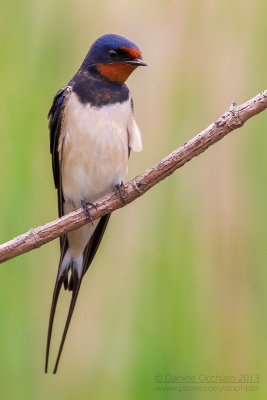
{"x":94,"y":148}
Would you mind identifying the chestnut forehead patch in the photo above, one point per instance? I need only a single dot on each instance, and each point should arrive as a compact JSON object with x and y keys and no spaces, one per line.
{"x":132,"y":51}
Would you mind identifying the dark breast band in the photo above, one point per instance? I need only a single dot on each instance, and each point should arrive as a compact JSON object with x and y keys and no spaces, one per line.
{"x":98,"y":91}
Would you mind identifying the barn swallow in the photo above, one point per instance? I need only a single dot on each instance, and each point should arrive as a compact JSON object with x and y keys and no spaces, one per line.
{"x":92,"y":130}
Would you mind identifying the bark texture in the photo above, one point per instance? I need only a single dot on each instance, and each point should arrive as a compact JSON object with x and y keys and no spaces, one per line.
{"x":234,"y":118}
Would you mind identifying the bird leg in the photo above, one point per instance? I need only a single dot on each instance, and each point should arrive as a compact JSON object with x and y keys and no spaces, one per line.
{"x":119,"y":187}
{"x":84,"y":205}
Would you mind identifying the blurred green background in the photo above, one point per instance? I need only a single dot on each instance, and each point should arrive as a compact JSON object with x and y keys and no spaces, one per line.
{"x":179,"y":285}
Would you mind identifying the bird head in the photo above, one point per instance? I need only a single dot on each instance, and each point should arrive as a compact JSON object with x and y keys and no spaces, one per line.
{"x":114,"y":57}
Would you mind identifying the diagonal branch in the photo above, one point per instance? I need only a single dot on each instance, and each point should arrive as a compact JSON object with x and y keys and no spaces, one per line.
{"x":234,"y":118}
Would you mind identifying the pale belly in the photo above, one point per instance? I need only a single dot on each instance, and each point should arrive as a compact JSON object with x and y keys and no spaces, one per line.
{"x":94,"y":150}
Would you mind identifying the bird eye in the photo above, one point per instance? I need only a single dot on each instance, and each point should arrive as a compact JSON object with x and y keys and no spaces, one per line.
{"x":112,"y":53}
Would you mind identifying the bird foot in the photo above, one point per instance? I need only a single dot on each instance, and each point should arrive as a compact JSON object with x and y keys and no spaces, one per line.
{"x":119,"y":188}
{"x":84,"y":205}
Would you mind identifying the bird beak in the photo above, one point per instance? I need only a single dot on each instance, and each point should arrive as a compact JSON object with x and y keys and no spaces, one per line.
{"x":138,"y":62}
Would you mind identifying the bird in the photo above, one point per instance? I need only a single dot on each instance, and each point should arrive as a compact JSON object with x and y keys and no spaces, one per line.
{"x":92,"y":131}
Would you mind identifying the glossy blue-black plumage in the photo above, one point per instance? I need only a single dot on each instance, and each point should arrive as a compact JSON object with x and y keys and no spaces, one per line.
{"x":90,"y":86}
{"x":98,"y":52}
{"x":93,"y":88}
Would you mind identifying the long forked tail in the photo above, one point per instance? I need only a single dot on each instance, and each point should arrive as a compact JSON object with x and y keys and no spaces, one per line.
{"x":76,"y":268}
